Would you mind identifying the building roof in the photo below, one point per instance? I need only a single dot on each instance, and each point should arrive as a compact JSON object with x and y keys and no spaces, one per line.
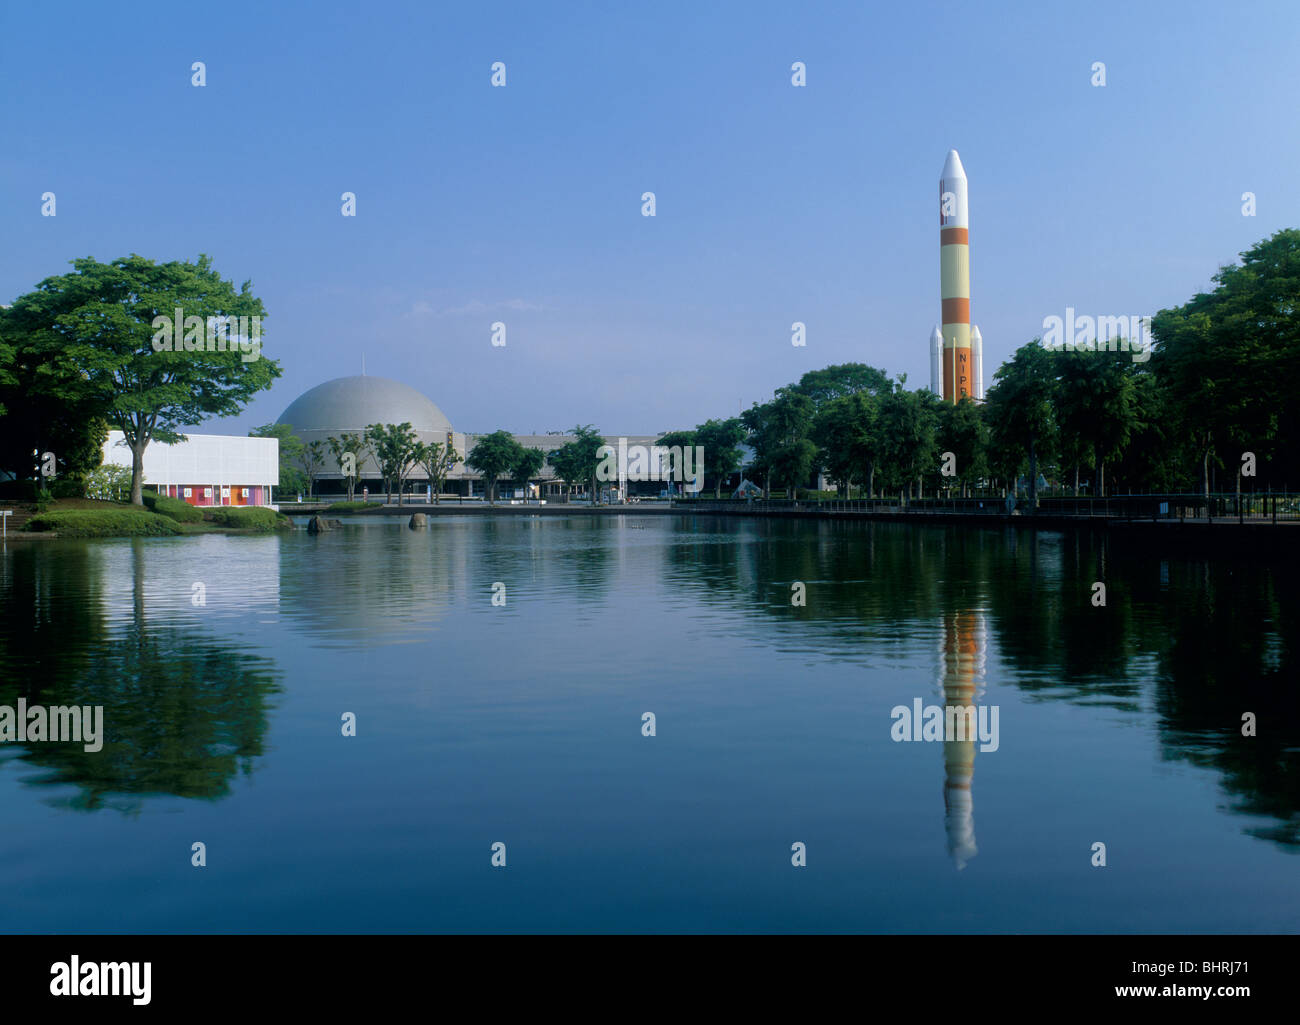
{"x":219,"y":459}
{"x":351,"y":404}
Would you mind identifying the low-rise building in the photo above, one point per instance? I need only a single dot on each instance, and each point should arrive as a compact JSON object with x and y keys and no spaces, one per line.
{"x":206,"y":469}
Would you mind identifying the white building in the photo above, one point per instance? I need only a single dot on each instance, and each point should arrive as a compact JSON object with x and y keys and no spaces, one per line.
{"x":349,"y":405}
{"x":206,"y":469}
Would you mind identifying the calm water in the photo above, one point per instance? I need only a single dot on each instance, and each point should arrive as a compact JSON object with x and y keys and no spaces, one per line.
{"x":522,"y":724}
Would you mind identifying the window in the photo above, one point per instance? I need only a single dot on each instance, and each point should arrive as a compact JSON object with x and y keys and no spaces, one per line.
{"x":188,"y":492}
{"x":207,"y":492}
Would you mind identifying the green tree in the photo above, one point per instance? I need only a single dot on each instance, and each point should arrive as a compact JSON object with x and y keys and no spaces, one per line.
{"x":312,"y":461}
{"x":110,"y":324}
{"x":1004,"y":461}
{"x":570,"y":464}
{"x":492,"y":455}
{"x":527,"y":465}
{"x":671,"y":463}
{"x":719,"y":439}
{"x":292,"y":479}
{"x":755,"y":421}
{"x":109,"y":482}
{"x":8,"y":357}
{"x":844,"y":432}
{"x":1155,"y":457}
{"x":779,"y":434}
{"x":905,"y":435}
{"x":1075,"y":416}
{"x":961,"y":431}
{"x":583,"y":457}
{"x":396,"y":449}
{"x":83,"y":452}
{"x":1097,"y":410}
{"x":841,"y":380}
{"x":350,"y":452}
{"x":1226,"y":360}
{"x":1118,"y":414}
{"x":45,"y":406}
{"x":1021,"y":419}
{"x":437,"y":460}
{"x":563,"y":462}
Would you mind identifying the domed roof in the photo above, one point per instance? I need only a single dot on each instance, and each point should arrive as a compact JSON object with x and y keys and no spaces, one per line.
{"x":353,"y":403}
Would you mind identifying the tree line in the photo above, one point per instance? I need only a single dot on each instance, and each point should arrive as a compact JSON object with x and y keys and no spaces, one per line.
{"x":1214,"y":403}
{"x":397,"y":451}
{"x":1211,"y":401}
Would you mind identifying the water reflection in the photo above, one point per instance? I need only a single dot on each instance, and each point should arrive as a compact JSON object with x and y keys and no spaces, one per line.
{"x":961,"y":677}
{"x":1233,"y":632}
{"x":1189,"y":643}
{"x":373,"y":582}
{"x":185,"y":710}
{"x":1182,"y":646}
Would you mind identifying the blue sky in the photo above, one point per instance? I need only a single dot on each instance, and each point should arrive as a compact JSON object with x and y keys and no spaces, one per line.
{"x":775,"y":204}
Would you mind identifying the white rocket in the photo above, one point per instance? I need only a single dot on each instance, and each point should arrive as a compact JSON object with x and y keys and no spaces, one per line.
{"x":956,"y":351}
{"x":954,"y":279}
{"x":936,"y":361}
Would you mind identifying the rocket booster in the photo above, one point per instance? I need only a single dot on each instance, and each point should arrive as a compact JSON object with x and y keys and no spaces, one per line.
{"x":954,"y":280}
{"x":977,"y":363}
{"x":936,"y":361}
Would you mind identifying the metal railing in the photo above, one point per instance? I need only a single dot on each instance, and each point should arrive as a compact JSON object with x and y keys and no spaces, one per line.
{"x":1259,"y":507}
{"x":1220,"y":507}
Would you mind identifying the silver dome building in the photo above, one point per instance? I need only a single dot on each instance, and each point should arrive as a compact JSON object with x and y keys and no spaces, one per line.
{"x":349,"y":405}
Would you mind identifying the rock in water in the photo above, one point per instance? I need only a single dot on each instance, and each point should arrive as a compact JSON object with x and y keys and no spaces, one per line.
{"x":418,"y":521}
{"x":317,"y":525}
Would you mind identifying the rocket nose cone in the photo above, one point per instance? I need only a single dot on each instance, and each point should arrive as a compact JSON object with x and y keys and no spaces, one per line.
{"x":975,"y":335}
{"x":952,"y":166}
{"x":936,"y":335}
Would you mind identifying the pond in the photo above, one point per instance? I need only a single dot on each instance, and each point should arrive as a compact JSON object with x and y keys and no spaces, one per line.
{"x":659,"y":723}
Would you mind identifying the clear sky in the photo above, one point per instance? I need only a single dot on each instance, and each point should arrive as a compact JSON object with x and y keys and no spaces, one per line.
{"x":522,"y":204}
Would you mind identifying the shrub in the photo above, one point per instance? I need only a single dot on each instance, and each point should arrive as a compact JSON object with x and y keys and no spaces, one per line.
{"x":68,"y":487}
{"x":250,"y":517}
{"x":172,"y":508}
{"x":44,"y":499}
{"x":103,"y":523}
{"x":110,"y":482}
{"x":339,"y":507}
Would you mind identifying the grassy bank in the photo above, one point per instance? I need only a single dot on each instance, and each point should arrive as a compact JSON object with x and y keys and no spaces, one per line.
{"x":258,"y":519}
{"x":124,"y":521}
{"x":172,"y":508}
{"x":158,"y":517}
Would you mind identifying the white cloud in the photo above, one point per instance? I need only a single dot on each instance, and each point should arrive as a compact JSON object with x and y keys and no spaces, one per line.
{"x":474,"y":307}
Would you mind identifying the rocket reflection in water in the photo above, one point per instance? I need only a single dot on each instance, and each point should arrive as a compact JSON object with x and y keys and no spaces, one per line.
{"x":961,"y":675}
